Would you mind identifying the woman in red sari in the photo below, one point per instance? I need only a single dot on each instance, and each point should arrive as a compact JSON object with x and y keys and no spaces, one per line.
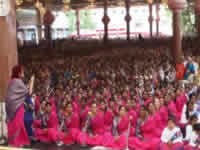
{"x":16,"y":96}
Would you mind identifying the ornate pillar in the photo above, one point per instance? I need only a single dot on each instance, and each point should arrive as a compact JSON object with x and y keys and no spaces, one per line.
{"x":176,"y":6}
{"x":78,"y":22}
{"x":48,"y":20}
{"x":8,"y":46}
{"x":39,"y":25}
{"x":197,"y":10}
{"x":157,"y":18}
{"x":151,"y":19}
{"x":106,"y":21}
{"x":127,"y":19}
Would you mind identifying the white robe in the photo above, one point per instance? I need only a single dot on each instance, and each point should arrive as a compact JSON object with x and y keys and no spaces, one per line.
{"x":193,"y":140}
{"x":189,"y":131}
{"x":168,"y":134}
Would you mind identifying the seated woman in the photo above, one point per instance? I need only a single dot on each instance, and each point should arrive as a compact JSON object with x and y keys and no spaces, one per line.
{"x":146,"y":137}
{"x":93,"y":131}
{"x":121,"y":128}
{"x":195,"y":139}
{"x":71,"y":126}
{"x":46,"y":128}
{"x":171,"y":138}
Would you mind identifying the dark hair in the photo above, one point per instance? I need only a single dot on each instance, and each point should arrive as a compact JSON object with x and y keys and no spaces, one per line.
{"x":193,"y":117}
{"x":187,"y":109}
{"x":172,"y":119}
{"x":16,"y":70}
{"x":48,"y":104}
{"x":197,"y":127}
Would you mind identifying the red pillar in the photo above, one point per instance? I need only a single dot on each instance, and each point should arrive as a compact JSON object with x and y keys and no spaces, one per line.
{"x":176,"y":7}
{"x":78,"y":22}
{"x":150,"y":20}
{"x":197,"y":10}
{"x":157,"y":18}
{"x":106,"y":21}
{"x":48,"y":20}
{"x":8,"y":48}
{"x":127,"y":19}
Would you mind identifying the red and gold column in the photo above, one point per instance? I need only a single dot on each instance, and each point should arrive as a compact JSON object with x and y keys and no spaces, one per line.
{"x":78,"y":22}
{"x":128,"y":19}
{"x":8,"y":47}
{"x":177,"y":6}
{"x":48,"y":19}
{"x":106,"y":21}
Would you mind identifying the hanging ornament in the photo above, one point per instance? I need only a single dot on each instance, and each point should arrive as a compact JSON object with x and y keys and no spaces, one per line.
{"x":42,"y":10}
{"x":121,"y":3}
{"x":38,"y":4}
{"x":19,"y":2}
{"x":150,"y":1}
{"x":164,"y":1}
{"x":92,"y":3}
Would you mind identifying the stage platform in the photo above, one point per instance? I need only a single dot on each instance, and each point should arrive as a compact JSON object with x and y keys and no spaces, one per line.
{"x":41,"y":146}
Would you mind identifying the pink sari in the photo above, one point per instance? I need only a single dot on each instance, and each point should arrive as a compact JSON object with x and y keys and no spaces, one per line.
{"x":122,"y":131}
{"x":108,"y":120}
{"x":17,"y":134}
{"x":37,"y":104}
{"x":150,"y":141}
{"x":134,"y":115}
{"x":53,"y":104}
{"x":73,"y":127}
{"x":97,"y":125}
{"x":51,"y":135}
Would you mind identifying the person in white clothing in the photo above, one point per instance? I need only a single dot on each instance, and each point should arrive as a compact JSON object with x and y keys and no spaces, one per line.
{"x":195,"y":139}
{"x":189,"y":109}
{"x":171,"y":138}
{"x":189,"y":129}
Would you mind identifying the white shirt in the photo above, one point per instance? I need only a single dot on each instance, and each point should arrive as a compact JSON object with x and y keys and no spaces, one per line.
{"x":196,"y":67}
{"x":167,"y":135}
{"x":189,"y":131}
{"x":193,"y":139}
{"x":183,"y":115}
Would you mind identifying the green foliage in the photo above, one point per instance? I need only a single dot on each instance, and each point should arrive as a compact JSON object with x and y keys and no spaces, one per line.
{"x":85,"y":20}
{"x":71,"y":21}
{"x":187,"y":19}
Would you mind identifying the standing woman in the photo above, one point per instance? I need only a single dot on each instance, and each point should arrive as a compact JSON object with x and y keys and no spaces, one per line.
{"x":16,"y":95}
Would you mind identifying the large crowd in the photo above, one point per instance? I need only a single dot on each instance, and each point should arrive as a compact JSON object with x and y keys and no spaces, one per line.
{"x":115,"y":102}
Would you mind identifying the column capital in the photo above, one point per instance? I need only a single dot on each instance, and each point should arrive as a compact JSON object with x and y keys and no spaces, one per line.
{"x":128,"y":18}
{"x":150,"y":18}
{"x":177,"y":5}
{"x":197,"y":7}
{"x":105,"y":19}
{"x":48,"y":17}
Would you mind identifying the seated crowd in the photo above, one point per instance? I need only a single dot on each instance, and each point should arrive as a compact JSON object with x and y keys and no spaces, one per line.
{"x":115,"y":102}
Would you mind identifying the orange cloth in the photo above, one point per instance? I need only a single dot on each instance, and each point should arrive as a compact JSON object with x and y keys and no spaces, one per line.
{"x":180,"y":71}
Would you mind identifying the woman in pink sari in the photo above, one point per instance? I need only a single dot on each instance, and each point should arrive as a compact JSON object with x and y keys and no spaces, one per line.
{"x":146,"y":137}
{"x":46,"y":128}
{"x":93,"y":131}
{"x":120,"y":128}
{"x":16,"y":95}
{"x":132,"y":112}
{"x":72,"y":125}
